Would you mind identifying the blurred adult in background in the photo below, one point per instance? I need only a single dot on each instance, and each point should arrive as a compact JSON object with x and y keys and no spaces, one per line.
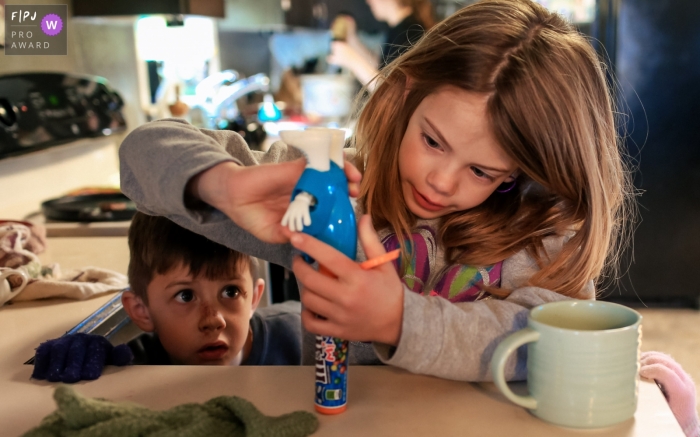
{"x":408,"y":20}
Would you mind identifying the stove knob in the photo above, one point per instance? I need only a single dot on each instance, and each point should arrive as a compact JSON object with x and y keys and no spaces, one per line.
{"x":8,"y":117}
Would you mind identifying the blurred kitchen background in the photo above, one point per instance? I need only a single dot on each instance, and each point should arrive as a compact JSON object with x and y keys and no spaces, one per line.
{"x":258,"y":66}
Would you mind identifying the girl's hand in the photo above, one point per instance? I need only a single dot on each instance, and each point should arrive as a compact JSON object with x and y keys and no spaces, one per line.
{"x":343,"y":55}
{"x":256,"y":197}
{"x":350,"y":29}
{"x":676,"y":385}
{"x":356,"y":304}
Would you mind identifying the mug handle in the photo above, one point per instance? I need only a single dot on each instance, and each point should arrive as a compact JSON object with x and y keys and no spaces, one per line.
{"x":498,"y":365}
{"x":9,"y":272}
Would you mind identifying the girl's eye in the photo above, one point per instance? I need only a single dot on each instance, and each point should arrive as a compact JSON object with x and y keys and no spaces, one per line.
{"x":430,"y":142}
{"x":480,"y":174}
{"x":184,"y":296}
{"x":230,"y":292}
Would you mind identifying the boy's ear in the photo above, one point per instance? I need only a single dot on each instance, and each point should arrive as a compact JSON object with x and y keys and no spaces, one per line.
{"x":258,"y":290}
{"x":137,"y":311}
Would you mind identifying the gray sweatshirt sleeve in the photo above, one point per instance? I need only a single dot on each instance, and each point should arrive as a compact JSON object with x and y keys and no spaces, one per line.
{"x":457,"y":341}
{"x":159,"y":158}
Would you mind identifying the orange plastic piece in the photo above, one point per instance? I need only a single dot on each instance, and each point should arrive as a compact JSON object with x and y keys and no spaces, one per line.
{"x":375,"y":262}
{"x":331,"y":411}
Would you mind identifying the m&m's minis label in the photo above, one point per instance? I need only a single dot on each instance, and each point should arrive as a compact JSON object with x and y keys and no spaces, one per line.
{"x":331,"y":374}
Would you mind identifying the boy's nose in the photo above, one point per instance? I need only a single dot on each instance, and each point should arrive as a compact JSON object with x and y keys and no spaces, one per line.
{"x":211,"y":319}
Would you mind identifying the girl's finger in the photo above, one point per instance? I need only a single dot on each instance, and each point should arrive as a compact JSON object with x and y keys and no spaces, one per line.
{"x":354,"y":177}
{"x":333,"y":260}
{"x":317,"y":325}
{"x":351,"y":172}
{"x":316,"y":304}
{"x":369,"y":239}
{"x":321,"y":284}
{"x":278,"y":234}
{"x":354,"y":190}
{"x":286,"y":233}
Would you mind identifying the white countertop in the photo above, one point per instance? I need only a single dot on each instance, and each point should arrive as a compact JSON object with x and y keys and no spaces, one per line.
{"x":382,"y":400}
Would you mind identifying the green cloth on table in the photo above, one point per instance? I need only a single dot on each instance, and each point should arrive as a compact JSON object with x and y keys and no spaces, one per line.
{"x":78,"y":416}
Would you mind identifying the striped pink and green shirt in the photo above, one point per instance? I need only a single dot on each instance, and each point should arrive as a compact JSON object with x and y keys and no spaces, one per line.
{"x":429,"y":276}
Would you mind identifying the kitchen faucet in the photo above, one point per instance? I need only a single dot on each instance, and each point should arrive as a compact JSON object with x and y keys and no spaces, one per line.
{"x":221,"y":106}
{"x":210,"y":85}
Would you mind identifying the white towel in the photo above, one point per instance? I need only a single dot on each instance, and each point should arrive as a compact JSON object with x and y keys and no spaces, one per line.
{"x":18,"y":247}
{"x":76,"y":284}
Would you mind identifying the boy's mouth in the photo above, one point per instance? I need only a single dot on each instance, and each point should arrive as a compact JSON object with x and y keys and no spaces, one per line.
{"x":213,"y":351}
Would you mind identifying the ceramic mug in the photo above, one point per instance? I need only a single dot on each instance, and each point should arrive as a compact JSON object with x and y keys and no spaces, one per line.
{"x":582,"y":363}
{"x":6,"y":290}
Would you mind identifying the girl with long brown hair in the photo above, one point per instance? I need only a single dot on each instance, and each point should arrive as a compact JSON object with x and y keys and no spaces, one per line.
{"x":488,"y":155}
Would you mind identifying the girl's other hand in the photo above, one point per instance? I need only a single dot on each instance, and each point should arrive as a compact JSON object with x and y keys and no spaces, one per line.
{"x":343,"y":55}
{"x":356,"y":304}
{"x":256,"y":197}
{"x":677,"y":387}
{"x":350,"y":30}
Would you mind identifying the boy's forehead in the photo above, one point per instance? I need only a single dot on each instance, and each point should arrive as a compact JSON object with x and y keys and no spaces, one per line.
{"x":233,"y":270}
{"x":181,"y":273}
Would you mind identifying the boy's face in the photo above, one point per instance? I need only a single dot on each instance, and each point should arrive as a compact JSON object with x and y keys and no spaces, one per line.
{"x":200,"y":321}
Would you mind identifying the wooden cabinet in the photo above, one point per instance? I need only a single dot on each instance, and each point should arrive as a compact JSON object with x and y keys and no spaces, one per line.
{"x":319,"y":14}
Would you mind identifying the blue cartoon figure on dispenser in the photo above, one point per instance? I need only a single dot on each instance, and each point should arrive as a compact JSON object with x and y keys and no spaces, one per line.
{"x":320,"y":206}
{"x":320,"y":203}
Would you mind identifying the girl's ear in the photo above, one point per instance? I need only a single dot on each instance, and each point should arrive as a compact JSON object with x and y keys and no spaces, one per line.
{"x":258,"y":290}
{"x":512,"y":176}
{"x":137,"y":311}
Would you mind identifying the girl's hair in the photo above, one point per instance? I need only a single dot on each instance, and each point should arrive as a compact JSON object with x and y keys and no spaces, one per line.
{"x":552,"y":114}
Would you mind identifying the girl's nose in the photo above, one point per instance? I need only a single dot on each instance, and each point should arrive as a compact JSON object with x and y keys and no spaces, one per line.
{"x":443,"y":180}
{"x":211,"y":319}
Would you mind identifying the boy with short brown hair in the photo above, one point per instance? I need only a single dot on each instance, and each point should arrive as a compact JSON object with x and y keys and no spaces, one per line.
{"x":198,"y":298}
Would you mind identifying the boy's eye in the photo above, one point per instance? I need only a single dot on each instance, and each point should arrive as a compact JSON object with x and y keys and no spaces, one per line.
{"x":184,"y":296}
{"x":230,"y":292}
{"x":430,"y":142}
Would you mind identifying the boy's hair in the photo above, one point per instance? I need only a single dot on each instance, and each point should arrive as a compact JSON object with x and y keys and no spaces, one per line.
{"x":550,"y":110}
{"x":157,"y":245}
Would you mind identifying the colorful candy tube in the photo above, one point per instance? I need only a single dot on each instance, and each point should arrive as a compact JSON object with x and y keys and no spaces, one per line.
{"x":331,"y":375}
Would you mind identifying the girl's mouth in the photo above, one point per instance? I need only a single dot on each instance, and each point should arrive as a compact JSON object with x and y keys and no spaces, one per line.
{"x":424,"y":203}
{"x":213,"y":351}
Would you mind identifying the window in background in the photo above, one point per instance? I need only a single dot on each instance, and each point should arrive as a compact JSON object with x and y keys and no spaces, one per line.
{"x":177,"y":54}
{"x":576,"y":11}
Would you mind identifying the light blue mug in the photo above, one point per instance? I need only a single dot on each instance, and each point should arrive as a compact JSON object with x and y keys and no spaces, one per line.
{"x":582,"y":363}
